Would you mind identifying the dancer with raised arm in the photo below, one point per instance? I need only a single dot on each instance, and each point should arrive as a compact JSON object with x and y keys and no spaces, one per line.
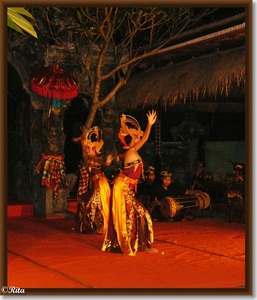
{"x":130,"y":225}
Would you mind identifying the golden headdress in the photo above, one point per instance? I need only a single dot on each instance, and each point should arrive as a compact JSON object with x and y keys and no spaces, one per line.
{"x":165,"y":174}
{"x":92,"y":139}
{"x":150,"y":170}
{"x":129,"y":126}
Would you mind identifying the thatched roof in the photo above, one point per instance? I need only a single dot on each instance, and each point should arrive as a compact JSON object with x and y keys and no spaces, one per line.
{"x":190,"y":81}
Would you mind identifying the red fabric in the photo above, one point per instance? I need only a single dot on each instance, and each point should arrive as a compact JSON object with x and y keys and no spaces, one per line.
{"x":59,"y":92}
{"x":46,"y":156}
{"x":83,"y":180}
{"x":133,"y":172}
{"x":54,"y":82}
{"x":52,"y":169}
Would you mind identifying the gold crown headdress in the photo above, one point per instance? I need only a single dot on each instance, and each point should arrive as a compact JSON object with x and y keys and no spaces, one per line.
{"x":134,"y":130}
{"x":149,"y":170}
{"x":92,"y":139}
{"x":166,"y":173}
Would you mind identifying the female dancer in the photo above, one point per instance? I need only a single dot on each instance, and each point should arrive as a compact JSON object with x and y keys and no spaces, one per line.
{"x":93,"y":193}
{"x":130,"y":226}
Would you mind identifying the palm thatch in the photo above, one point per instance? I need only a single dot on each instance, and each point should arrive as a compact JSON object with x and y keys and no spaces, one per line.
{"x":181,"y":83}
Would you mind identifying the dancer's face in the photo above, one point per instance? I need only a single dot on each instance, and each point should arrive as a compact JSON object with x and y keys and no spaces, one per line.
{"x":90,"y":151}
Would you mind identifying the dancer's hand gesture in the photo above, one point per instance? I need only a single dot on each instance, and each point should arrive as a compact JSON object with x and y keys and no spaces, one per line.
{"x":152,"y":116}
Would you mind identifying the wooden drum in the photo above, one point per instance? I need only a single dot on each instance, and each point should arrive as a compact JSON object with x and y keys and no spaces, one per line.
{"x":190,"y":202}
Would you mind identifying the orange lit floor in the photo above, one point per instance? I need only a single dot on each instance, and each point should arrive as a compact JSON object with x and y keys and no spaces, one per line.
{"x":51,"y":253}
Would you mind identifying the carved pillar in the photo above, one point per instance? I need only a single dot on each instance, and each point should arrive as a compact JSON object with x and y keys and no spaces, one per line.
{"x":50,"y":204}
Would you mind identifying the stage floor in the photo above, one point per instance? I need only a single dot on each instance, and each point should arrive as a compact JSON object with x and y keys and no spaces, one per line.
{"x":45,"y":256}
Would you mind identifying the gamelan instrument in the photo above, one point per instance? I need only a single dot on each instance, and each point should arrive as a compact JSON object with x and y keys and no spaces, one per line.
{"x":192,"y":201}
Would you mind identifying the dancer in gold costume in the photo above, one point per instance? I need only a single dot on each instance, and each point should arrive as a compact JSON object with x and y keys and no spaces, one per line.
{"x":93,"y":193}
{"x":130,"y":226}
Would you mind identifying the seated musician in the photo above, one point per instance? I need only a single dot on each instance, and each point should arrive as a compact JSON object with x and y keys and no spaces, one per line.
{"x":201,"y":178}
{"x":165,"y":189}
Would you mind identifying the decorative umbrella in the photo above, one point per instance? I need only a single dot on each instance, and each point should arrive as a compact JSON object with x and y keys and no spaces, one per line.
{"x":54,"y":83}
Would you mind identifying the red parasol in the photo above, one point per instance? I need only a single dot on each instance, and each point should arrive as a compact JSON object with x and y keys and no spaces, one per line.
{"x":54,"y":82}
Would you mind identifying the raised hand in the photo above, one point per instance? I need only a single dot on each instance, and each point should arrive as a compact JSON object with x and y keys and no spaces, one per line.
{"x":152,"y":116}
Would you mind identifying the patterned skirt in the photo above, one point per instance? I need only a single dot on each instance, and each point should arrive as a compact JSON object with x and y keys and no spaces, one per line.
{"x":93,"y":206}
{"x":130,"y":225}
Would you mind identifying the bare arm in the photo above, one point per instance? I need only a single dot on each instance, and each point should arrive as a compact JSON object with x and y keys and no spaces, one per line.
{"x":152,"y":116}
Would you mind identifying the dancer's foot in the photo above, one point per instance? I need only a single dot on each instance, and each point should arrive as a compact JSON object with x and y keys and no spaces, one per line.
{"x":151,"y":249}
